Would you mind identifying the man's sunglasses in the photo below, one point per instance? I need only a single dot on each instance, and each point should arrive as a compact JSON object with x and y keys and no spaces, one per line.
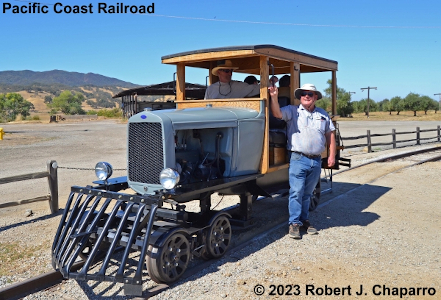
{"x":226,"y":70}
{"x":310,"y":94}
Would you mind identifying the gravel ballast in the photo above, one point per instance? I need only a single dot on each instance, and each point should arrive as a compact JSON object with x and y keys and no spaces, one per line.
{"x":380,"y":235}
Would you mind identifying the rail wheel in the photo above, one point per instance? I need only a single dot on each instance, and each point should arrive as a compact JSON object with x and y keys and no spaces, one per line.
{"x":218,"y":237}
{"x":171,"y":260}
{"x":84,"y":254}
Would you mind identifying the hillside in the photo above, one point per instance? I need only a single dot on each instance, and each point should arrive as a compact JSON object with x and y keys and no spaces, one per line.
{"x":39,"y":88}
{"x":60,"y":77}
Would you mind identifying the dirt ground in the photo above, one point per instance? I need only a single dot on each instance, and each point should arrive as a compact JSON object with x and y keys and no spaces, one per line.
{"x":400,"y":210}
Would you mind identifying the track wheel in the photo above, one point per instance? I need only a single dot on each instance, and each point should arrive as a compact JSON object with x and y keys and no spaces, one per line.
{"x":84,"y":254}
{"x":219,"y":237}
{"x":170,"y":261}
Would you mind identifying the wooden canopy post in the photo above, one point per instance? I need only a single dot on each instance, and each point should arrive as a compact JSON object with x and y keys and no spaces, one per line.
{"x":294,"y":70}
{"x":334,"y":93}
{"x":180,"y":82}
{"x":264,"y":82}
{"x":212,"y":78}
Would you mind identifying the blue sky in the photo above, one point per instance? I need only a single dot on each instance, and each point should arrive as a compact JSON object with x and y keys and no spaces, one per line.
{"x":392,"y":45}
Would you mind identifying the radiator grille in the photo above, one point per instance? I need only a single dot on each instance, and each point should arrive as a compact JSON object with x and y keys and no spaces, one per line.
{"x":146,"y":158}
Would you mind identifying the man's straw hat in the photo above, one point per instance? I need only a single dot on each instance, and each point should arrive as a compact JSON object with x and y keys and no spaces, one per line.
{"x":223,"y":64}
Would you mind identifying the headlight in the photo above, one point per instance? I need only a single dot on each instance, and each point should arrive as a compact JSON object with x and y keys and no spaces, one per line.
{"x":103,"y":170}
{"x":169,"y":178}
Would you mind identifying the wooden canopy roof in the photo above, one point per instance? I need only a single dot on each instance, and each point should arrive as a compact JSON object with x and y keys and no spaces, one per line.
{"x":195,"y":91}
{"x":247,"y":58}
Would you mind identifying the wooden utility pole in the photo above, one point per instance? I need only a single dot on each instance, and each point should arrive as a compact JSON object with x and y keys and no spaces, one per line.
{"x":439,"y":94}
{"x":368,"y":88}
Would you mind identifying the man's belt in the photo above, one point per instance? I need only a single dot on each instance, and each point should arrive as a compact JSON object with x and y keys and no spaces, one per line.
{"x":308,"y":155}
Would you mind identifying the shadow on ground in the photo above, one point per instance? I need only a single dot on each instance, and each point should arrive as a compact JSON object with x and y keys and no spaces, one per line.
{"x":344,"y":206}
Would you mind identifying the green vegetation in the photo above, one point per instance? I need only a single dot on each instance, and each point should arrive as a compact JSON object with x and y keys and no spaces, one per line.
{"x":12,"y":105}
{"x":344,"y":105}
{"x":108,"y":113}
{"x":68,"y":103}
{"x":412,"y":102}
{"x":103,"y":95}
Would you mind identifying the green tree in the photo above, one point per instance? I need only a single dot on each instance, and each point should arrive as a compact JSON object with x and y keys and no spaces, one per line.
{"x":397,"y":104}
{"x":12,"y":105}
{"x":387,"y":106}
{"x":68,"y":103}
{"x":436,"y":105}
{"x":344,"y":105}
{"x":428,"y":103}
{"x":373,"y":105}
{"x":47,"y":99}
{"x":2,"y":107}
{"x":324,"y":103}
{"x":382,"y":105}
{"x":359,"y":106}
{"x":412,"y":102}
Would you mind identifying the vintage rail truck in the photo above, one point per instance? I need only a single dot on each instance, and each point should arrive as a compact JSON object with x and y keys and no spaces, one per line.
{"x":224,"y":146}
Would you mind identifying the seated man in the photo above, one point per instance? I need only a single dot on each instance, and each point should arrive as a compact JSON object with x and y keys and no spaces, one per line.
{"x":226,"y":88}
{"x":284,"y":84}
{"x":251,"y":80}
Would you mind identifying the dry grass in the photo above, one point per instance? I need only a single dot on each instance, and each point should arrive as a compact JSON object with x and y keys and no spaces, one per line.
{"x":13,"y":254}
{"x":403,"y":116}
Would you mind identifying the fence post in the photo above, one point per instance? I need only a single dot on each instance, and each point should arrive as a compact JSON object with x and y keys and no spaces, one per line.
{"x":369,"y":144}
{"x":439,"y":132}
{"x":394,"y":138}
{"x":418,"y":136}
{"x":52,"y":167}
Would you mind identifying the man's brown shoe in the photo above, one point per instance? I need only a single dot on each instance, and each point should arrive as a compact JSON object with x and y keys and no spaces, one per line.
{"x":308,"y":227}
{"x":294,"y":231}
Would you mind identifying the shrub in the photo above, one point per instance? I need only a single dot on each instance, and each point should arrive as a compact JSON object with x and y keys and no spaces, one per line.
{"x":107,"y":113}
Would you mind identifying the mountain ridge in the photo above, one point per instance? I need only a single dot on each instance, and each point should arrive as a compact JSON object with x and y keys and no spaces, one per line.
{"x":73,"y":79}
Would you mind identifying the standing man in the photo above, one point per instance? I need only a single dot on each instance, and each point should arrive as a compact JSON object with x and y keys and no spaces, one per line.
{"x":309,"y":128}
{"x":227,"y":88}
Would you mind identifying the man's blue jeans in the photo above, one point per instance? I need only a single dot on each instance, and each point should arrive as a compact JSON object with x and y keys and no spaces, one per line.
{"x":304,"y":174}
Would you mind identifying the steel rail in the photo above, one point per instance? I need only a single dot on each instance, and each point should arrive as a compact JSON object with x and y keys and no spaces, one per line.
{"x":44,"y":281}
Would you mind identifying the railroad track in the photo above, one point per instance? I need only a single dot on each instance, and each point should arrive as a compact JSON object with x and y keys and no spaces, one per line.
{"x":405,"y":160}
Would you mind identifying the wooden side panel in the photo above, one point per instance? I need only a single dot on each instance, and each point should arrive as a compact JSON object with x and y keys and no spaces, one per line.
{"x":277,"y":168}
{"x":251,"y":103}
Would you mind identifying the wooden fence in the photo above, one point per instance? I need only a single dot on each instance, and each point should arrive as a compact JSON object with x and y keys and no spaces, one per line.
{"x":394,"y":135}
{"x":52,"y":177}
